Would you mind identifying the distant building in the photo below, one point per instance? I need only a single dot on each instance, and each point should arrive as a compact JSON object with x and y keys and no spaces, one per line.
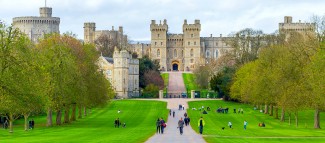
{"x":91,"y":34}
{"x":288,"y":26}
{"x":35,"y":27}
{"x":123,"y":73}
{"x":181,"y":52}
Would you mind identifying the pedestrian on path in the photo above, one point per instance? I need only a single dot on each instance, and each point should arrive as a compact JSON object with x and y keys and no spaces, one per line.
{"x":173,"y":114}
{"x":245,"y":124}
{"x":162,"y":125}
{"x":181,"y":126}
{"x":183,"y":107}
{"x":201,"y":123}
{"x":158,"y":126}
{"x":185,"y":115}
{"x":170,"y":112}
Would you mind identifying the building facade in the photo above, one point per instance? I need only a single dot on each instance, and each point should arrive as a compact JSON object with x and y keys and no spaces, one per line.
{"x":184,"y":51}
{"x":123,"y":73}
{"x":91,"y":34}
{"x":36,"y":27}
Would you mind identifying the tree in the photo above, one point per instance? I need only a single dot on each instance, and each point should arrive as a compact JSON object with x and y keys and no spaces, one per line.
{"x":20,"y":86}
{"x":145,"y":65}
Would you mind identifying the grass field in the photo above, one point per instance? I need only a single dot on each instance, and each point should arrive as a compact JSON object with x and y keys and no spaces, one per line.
{"x":165,"y":77}
{"x":140,"y":118}
{"x":275,"y":131}
{"x":189,"y":81}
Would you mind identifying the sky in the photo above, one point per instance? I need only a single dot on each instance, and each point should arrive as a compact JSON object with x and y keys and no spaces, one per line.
{"x":216,"y":16}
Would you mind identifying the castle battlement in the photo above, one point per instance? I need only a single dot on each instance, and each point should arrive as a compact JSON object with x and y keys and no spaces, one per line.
{"x":36,"y":20}
{"x":158,"y":27}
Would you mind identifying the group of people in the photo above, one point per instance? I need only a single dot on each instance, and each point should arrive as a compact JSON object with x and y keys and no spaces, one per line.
{"x":160,"y":125}
{"x":117,"y":123}
{"x":170,"y":113}
{"x":222,"y":110}
{"x":240,"y":110}
{"x":186,"y":119}
{"x":181,"y":107}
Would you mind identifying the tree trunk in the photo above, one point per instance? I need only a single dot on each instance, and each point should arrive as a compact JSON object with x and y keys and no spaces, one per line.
{"x":271,"y":110}
{"x":11,"y":119}
{"x":66,"y":114}
{"x":79,"y":112}
{"x":58,"y":117}
{"x":282,"y":115}
{"x":26,"y":121}
{"x":49,"y":117}
{"x":85,"y":111}
{"x":73,"y":115}
{"x":316,"y":119}
{"x":266,"y":109}
{"x":289,"y":118}
{"x":276,"y":112}
{"x":296,"y":117}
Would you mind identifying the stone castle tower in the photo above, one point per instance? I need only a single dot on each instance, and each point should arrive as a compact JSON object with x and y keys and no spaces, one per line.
{"x":89,"y":32}
{"x":35,"y":27}
{"x":159,"y":42}
{"x":191,"y":43}
{"x":175,"y":51}
{"x":126,"y":74}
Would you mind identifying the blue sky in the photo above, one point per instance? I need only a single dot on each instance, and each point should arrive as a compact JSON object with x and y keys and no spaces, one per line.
{"x":216,"y":16}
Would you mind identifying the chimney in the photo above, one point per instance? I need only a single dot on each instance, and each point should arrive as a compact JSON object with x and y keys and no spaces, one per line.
{"x":112,"y":28}
{"x":210,"y":35}
{"x":185,"y":21}
{"x":220,"y":35}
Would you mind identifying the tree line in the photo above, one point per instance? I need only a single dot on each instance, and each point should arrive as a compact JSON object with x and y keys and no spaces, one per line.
{"x":56,"y":75}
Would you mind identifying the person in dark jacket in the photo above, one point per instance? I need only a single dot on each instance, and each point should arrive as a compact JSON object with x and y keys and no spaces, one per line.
{"x":158,"y":126}
{"x":201,"y":124}
{"x":162,"y":125}
{"x":181,"y":125}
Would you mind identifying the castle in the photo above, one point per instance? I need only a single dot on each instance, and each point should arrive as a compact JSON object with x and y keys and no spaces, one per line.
{"x":123,"y":73}
{"x":181,"y":52}
{"x":36,"y":27}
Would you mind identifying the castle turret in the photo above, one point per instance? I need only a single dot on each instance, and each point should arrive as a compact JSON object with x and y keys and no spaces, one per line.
{"x":121,"y":72}
{"x":191,"y":44}
{"x":159,"y":42}
{"x":89,"y":32}
{"x":45,"y":12}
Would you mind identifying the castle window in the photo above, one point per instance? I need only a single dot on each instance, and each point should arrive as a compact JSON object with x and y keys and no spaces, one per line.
{"x":194,"y":43}
{"x":192,"y":60}
{"x":216,"y":43}
{"x":155,"y":43}
{"x":158,"y":53}
{"x":191,"y":52}
{"x":207,"y":54}
{"x":188,"y":43}
{"x":192,"y":35}
{"x":161,"y":43}
{"x":175,"y":53}
{"x":216,"y":56}
{"x":182,"y":53}
{"x":158,"y":36}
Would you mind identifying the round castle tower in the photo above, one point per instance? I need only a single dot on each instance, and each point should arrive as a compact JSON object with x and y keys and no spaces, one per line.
{"x":35,"y":27}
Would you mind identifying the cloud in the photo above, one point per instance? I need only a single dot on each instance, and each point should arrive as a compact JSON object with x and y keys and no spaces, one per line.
{"x":216,"y":16}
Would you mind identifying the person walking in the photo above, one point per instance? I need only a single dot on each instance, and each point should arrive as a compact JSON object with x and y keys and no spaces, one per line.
{"x":188,"y":120}
{"x":201,"y":123}
{"x":229,"y":124}
{"x":162,"y":125}
{"x":245,"y":124}
{"x":181,"y":126}
{"x":158,"y":126}
{"x":5,"y":124}
{"x":173,"y":114}
{"x":185,"y":115}
{"x":170,"y":112}
{"x":185,"y":121}
{"x":33,"y":123}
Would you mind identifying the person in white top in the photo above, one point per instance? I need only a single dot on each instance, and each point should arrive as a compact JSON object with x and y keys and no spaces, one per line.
{"x":229,"y":124}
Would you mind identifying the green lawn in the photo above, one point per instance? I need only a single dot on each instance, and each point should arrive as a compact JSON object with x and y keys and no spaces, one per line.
{"x":140,"y":118}
{"x":189,"y":81}
{"x":275,"y":131}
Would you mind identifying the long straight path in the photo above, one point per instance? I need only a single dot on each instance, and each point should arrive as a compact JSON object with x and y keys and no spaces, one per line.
{"x":171,"y":132}
{"x":176,"y":83}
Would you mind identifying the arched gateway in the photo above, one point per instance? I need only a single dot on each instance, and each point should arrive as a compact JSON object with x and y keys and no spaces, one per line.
{"x":175,"y":66}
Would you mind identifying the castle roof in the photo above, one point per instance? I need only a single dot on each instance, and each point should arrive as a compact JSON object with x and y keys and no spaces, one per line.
{"x":110,"y":60}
